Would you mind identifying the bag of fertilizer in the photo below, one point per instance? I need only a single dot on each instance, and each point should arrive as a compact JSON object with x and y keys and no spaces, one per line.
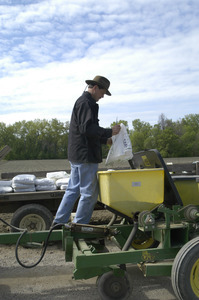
{"x":56,"y":175}
{"x":24,"y":179}
{"x":121,"y":149}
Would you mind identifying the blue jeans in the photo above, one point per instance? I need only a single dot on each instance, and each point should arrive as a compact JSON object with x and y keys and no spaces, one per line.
{"x":83,"y":182}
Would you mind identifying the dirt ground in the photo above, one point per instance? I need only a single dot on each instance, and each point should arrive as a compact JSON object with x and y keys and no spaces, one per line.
{"x":52,"y":278}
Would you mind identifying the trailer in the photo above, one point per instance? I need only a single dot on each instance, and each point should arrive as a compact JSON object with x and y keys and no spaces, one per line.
{"x":156,"y":231}
{"x":31,"y":210}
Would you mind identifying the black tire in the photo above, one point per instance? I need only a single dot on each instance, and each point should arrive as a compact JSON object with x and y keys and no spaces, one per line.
{"x":112,"y":287}
{"x":34,"y":217}
{"x":185,"y":271}
{"x":144,"y":240}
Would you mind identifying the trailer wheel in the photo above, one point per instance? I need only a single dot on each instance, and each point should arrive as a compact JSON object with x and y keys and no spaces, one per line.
{"x":34,"y":217}
{"x":114,"y":287}
{"x":185,"y":271}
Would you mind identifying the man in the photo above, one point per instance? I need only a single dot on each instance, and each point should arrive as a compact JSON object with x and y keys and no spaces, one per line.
{"x":84,"y":153}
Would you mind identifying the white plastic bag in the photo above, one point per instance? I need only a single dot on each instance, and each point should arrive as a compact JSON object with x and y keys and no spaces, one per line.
{"x":56,"y":175}
{"x":44,"y":181}
{"x":24,"y":183}
{"x":45,"y":184}
{"x":48,"y":187}
{"x":121,"y":149}
{"x":24,"y":179}
{"x":4,"y":183}
{"x":5,"y":189}
{"x":63,"y":187}
{"x":62,"y":181}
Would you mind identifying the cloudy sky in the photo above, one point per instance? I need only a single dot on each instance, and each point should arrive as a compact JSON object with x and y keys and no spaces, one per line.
{"x":148,"y":49}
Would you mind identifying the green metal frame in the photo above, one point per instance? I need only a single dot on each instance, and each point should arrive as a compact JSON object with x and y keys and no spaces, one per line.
{"x":30,"y":237}
{"x":85,"y":245}
{"x":89,"y":261}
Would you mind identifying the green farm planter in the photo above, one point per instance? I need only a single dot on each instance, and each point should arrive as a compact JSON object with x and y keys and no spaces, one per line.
{"x":161,"y":236}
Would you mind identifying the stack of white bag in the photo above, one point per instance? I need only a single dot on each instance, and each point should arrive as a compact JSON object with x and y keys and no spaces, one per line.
{"x":62,"y":183}
{"x":5,"y":186}
{"x":24,"y":183}
{"x":61,"y":178}
{"x":45,"y":184}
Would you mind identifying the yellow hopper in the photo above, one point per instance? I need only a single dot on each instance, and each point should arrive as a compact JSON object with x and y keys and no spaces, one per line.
{"x":131,"y":191}
{"x":145,"y":186}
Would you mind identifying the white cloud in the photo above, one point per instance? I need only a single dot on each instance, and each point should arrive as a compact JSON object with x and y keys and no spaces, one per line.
{"x":148,"y":49}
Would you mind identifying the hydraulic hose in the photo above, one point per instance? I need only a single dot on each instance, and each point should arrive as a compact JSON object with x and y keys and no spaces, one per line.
{"x":43,"y":250}
{"x":113,"y":219}
{"x":24,"y":231}
{"x":129,"y":241}
{"x":13,"y":227}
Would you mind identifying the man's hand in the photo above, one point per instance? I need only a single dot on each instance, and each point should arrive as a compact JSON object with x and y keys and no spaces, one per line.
{"x":109,"y":141}
{"x":116,"y":129}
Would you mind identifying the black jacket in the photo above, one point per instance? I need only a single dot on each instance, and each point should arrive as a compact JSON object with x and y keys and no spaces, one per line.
{"x":85,"y":134}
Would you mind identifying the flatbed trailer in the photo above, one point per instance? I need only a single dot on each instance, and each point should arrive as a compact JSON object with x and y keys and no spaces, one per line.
{"x":10,"y":202}
{"x":31,"y":210}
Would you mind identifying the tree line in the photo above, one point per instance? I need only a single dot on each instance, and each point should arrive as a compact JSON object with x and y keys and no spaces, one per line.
{"x":43,"y":139}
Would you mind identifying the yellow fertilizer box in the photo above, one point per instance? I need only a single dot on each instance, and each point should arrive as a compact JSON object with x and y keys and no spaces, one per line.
{"x":130,"y":191}
{"x":188,"y":188}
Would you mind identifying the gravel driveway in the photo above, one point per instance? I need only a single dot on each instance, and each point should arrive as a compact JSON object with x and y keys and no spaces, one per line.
{"x":52,"y":279}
